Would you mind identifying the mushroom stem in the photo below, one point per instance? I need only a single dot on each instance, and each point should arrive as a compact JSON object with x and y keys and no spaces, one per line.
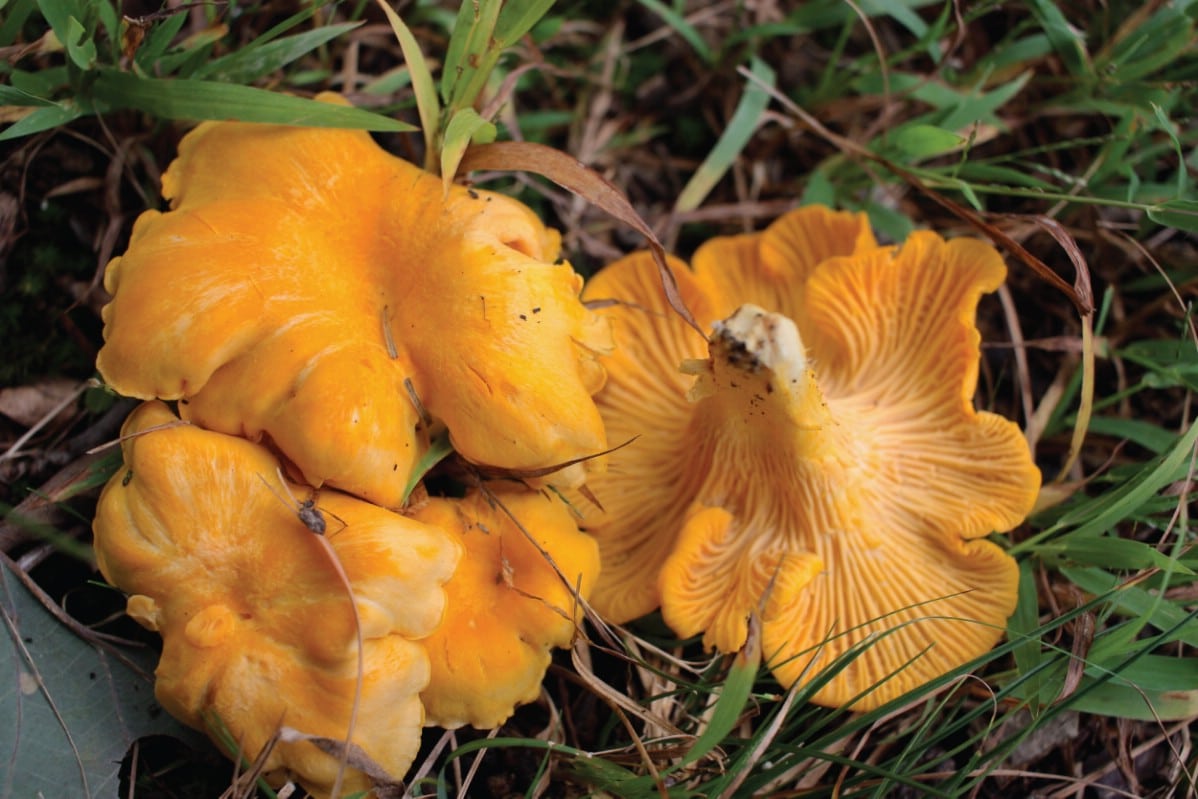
{"x":759,"y":411}
{"x":758,"y":385}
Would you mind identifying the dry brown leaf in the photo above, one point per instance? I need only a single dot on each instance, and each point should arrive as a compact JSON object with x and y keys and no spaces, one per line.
{"x":28,"y":405}
{"x":574,"y":176}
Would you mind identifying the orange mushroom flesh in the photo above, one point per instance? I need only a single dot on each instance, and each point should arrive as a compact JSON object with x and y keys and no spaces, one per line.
{"x":823,"y":465}
{"x":513,"y":599}
{"x":308,"y":287}
{"x":257,"y":626}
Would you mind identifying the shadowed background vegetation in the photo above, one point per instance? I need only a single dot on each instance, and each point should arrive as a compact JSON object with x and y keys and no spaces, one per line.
{"x":1061,"y":131}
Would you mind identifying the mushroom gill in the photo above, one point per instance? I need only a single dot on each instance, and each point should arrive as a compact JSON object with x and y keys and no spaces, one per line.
{"x":825,"y":468}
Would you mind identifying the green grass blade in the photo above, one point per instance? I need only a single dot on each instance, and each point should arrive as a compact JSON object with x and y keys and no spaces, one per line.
{"x":1066,"y":40}
{"x":198,"y":99}
{"x":732,"y":141}
{"x":42,"y":119}
{"x":158,"y":40}
{"x":516,"y":18}
{"x":59,"y":13}
{"x":1180,"y":214}
{"x":920,"y":140}
{"x":1149,"y":436}
{"x":439,"y":448}
{"x":1023,"y":629}
{"x":10,"y":95}
{"x":682,"y":28}
{"x":472,"y":37}
{"x":1102,"y":514}
{"x":464,"y":127}
{"x":427,"y":104}
{"x":733,"y":696}
{"x":1135,"y":602}
{"x":12,"y":21}
{"x":80,"y":48}
{"x":250,"y":63}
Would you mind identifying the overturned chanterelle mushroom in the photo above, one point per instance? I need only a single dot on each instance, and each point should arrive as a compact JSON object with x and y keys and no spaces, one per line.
{"x":818,"y":461}
{"x":257,"y":628}
{"x":308,"y":287}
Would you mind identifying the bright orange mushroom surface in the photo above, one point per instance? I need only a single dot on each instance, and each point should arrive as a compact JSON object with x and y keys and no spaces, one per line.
{"x":818,"y":461}
{"x":514,"y":598}
{"x":257,"y":627}
{"x":309,"y":287}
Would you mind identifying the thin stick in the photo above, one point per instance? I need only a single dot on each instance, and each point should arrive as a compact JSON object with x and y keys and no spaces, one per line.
{"x":314,"y":521}
{"x":150,"y":429}
{"x":52,"y":414}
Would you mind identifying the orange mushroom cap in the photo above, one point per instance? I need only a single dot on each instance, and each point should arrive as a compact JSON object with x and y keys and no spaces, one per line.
{"x":512,"y":600}
{"x":256,"y":622}
{"x":304,"y":280}
{"x":823,"y":465}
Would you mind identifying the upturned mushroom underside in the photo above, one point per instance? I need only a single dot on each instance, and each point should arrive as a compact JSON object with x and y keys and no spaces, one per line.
{"x":307,"y":287}
{"x":256,"y":619}
{"x":818,"y":461}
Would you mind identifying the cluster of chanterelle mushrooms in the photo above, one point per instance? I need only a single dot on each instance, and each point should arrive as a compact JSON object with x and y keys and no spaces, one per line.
{"x":318,"y":312}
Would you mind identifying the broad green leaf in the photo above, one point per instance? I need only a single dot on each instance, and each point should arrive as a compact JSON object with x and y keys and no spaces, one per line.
{"x":68,"y":710}
{"x":198,"y":99}
{"x":465,"y":127}
{"x":1180,"y":214}
{"x":252,"y":62}
{"x":427,"y":104}
{"x":732,"y":141}
{"x":921,"y":141}
{"x":42,"y":119}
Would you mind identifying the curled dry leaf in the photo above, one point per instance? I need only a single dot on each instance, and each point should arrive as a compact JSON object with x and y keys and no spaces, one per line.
{"x":28,"y":405}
